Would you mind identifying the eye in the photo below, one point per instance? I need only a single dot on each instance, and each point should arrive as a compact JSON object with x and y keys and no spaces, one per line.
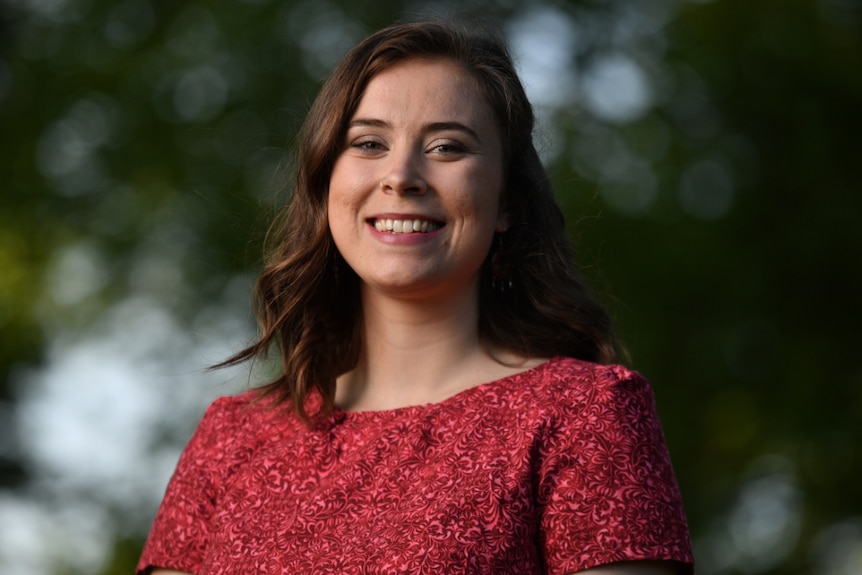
{"x":448,"y":148}
{"x":368,"y":145}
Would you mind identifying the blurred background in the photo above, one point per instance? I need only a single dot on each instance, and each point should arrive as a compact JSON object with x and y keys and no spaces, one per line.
{"x":707,"y":154}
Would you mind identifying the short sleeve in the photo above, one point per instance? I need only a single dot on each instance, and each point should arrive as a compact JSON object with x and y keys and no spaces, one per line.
{"x":178,"y":538}
{"x":607,"y":491}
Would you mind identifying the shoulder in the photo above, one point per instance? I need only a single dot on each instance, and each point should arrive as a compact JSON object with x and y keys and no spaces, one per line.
{"x":569,"y":367}
{"x":568,"y":381}
{"x":233,"y":425}
{"x":575,"y":400}
{"x":226,"y":414}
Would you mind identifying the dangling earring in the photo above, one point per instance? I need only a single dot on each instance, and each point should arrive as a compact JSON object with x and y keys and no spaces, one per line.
{"x":501,"y":268}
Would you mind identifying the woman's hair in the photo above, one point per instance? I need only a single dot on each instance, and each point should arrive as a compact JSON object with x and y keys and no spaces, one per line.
{"x":307,"y":298}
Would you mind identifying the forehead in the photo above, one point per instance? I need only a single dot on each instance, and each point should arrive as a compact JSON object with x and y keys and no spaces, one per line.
{"x":432,"y":86}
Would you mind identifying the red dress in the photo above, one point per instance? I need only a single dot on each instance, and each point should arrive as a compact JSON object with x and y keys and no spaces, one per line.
{"x":554,"y":470}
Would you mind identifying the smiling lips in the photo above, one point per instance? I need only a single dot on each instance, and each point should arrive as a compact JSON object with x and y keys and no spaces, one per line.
{"x":415,"y":226}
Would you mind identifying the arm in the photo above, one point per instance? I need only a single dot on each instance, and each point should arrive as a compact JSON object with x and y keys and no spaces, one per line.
{"x":180,"y":534}
{"x":606,"y":493}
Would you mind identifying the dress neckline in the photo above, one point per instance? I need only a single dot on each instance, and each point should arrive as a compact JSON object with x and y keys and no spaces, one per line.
{"x":340,"y":413}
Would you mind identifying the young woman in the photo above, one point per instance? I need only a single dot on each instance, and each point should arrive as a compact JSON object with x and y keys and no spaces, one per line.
{"x":446,"y":402}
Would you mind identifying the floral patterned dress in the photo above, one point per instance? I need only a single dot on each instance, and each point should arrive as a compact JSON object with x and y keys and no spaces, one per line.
{"x":551,"y":471}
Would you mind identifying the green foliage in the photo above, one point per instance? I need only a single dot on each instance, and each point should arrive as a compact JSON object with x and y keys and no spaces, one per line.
{"x":123,"y":558}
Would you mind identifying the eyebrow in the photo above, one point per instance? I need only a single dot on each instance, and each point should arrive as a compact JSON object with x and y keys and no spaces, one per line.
{"x":368,"y":122}
{"x":432,"y":127}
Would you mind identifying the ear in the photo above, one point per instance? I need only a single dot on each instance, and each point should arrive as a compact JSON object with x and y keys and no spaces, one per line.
{"x":502,"y":222}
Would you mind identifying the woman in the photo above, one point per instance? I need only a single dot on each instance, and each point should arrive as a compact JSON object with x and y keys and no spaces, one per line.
{"x":444,"y":403}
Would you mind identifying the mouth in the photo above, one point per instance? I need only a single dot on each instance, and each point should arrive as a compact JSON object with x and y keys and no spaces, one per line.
{"x":408,"y":226}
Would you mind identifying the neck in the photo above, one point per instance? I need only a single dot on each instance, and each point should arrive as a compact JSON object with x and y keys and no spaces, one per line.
{"x":414,"y":352}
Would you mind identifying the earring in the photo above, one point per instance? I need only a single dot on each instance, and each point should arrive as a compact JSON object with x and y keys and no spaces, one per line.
{"x":501,"y":268}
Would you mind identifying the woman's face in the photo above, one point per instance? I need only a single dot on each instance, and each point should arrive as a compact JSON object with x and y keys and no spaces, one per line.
{"x":414,"y":197}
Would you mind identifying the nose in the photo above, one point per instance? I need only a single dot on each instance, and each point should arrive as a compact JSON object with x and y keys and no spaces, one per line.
{"x":404,"y":174}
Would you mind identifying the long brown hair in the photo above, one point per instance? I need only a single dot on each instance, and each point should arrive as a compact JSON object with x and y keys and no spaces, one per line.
{"x":307,"y":298}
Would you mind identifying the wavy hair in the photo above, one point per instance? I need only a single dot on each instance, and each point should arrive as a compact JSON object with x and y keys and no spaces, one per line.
{"x":307,"y":298}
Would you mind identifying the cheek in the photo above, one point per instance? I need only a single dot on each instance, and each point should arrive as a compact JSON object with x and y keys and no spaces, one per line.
{"x":344,"y":186}
{"x":338,"y":218}
{"x":339,"y":196}
{"x":486,"y":196}
{"x":341,"y":212}
{"x":337,"y":231}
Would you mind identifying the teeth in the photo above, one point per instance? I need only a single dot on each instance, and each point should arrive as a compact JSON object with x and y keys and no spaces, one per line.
{"x":405,"y":226}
